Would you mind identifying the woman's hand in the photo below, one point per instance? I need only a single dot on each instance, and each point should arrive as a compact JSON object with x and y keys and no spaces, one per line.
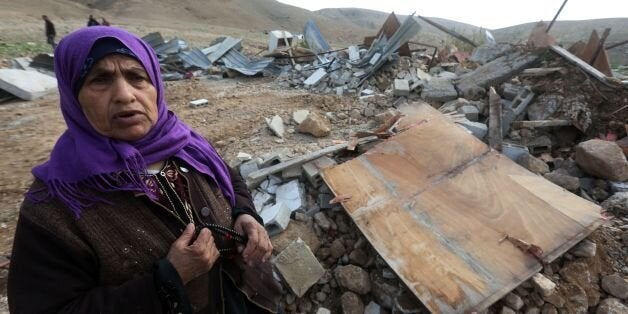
{"x":193,"y":258}
{"x":258,"y":248}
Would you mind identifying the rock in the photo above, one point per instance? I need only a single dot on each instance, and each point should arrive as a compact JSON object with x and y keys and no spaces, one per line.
{"x":353,"y":278}
{"x":617,"y":203}
{"x":543,"y":285}
{"x":372,"y":308}
{"x":532,"y":310}
{"x":298,"y":267}
{"x":401,"y":88}
{"x":615,"y":285}
{"x":577,"y":300}
{"x":356,"y":114}
{"x":602,"y":159}
{"x":612,"y":306}
{"x":275,"y":124}
{"x":586,"y":248}
{"x":351,"y":303}
{"x":316,"y":125}
{"x":295,"y":230}
{"x":358,"y":257}
{"x":513,"y":301}
{"x":555,"y":298}
{"x":474,"y":92}
{"x":507,"y":310}
{"x":549,"y":309}
{"x":322,"y":310}
{"x":337,"y":249}
{"x":578,"y":274}
{"x":321,"y":296}
{"x":384,"y":293}
{"x":321,"y":220}
{"x":300,"y":116}
{"x":566,"y":181}
{"x":533,"y":164}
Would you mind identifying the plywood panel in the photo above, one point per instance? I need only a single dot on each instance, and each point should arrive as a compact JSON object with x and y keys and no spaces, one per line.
{"x":435,"y":203}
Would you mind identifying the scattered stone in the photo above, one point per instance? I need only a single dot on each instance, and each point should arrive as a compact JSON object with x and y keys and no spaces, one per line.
{"x":276,"y":125}
{"x":358,"y":257}
{"x":351,"y":303}
{"x":543,"y":285}
{"x":612,"y":306}
{"x":549,"y":309}
{"x":321,"y":220}
{"x":316,"y":125}
{"x":507,"y":310}
{"x":615,"y":285}
{"x":353,"y":278}
{"x":244,"y":156}
{"x":322,"y":310}
{"x":533,"y":164}
{"x":566,"y":181}
{"x":617,"y":203}
{"x":602,"y":159}
{"x":299,"y":267}
{"x":586,"y":248}
{"x":513,"y":301}
{"x":372,"y":308}
{"x":337,"y":249}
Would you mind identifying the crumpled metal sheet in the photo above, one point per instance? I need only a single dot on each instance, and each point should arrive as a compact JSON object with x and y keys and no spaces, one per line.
{"x":195,"y":57}
{"x":225,"y":46}
{"x":235,"y":60}
{"x":314,"y":38}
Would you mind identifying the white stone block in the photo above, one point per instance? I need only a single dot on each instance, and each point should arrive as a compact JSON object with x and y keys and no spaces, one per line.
{"x":26,"y":85}
{"x":291,"y":194}
{"x":276,"y":218}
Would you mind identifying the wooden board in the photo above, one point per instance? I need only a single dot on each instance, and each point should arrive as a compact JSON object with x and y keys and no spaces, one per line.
{"x":435,"y":202}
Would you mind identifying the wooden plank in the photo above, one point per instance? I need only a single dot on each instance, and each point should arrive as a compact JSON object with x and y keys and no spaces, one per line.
{"x":580,"y":63}
{"x":435,"y":204}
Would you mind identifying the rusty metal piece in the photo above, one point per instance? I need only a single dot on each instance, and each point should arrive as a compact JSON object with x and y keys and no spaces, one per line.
{"x":339,"y":199}
{"x":621,"y":43}
{"x":600,"y":46}
{"x":528,"y":248}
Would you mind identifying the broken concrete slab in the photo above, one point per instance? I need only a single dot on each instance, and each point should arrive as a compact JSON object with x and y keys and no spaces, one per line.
{"x":439,"y":90}
{"x":479,"y":130}
{"x":296,"y":229}
{"x":276,"y":218}
{"x":271,"y":184}
{"x":249,"y":167}
{"x":354,"y":53}
{"x":261,"y":199}
{"x":276,"y":125}
{"x":27,"y":85}
{"x":545,"y":106}
{"x":292,"y":194}
{"x":487,"y":53}
{"x":299,"y":268}
{"x":291,"y":173}
{"x":316,"y":77}
{"x":300,"y":115}
{"x":496,"y":72}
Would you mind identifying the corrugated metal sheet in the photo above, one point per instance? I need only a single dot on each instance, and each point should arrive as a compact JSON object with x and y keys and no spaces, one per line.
{"x":195,"y":57}
{"x":226,"y":45}
{"x":172,"y":46}
{"x":154,"y":39}
{"x":235,"y":60}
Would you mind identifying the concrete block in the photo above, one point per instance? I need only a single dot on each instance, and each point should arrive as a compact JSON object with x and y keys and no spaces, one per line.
{"x":511,"y":91}
{"x":541,"y":144}
{"x":300,"y":115}
{"x":470,"y":112}
{"x":271,"y":159}
{"x":522,"y":100}
{"x":249,"y":167}
{"x":354,"y":53}
{"x":340,"y":90}
{"x":478,"y":129}
{"x":316,"y":77}
{"x":292,"y":173}
{"x":299,"y":268}
{"x":313,"y":169}
{"x":401,"y":88}
{"x":199,"y":103}
{"x":276,"y":218}
{"x":514,"y":151}
{"x":423,"y":76}
{"x":439,"y":90}
{"x":292,"y":194}
{"x":323,"y":200}
{"x":26,"y":85}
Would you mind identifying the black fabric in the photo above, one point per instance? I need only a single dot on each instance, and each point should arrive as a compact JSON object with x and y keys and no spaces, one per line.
{"x":170,"y":288}
{"x":63,"y":281}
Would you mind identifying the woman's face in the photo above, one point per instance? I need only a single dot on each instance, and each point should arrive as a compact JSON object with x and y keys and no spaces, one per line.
{"x":119,"y":99}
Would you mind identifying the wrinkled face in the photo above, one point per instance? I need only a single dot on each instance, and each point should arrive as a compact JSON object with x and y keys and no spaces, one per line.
{"x":119,"y":99}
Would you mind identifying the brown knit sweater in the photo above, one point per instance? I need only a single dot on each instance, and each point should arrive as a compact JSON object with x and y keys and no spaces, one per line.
{"x":104,"y":262}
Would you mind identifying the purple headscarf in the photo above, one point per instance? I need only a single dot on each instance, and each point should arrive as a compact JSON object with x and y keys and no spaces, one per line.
{"x":83,"y":163}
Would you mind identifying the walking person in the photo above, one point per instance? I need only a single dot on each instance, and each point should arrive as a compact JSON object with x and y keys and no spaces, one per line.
{"x":50,"y":32}
{"x":92,"y":21}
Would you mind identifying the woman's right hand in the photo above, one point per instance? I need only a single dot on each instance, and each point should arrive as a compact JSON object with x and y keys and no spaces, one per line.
{"x":193,"y":258}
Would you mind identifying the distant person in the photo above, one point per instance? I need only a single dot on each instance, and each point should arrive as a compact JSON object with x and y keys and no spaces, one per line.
{"x":105,"y":22}
{"x":92,"y":21}
{"x":50,"y":32}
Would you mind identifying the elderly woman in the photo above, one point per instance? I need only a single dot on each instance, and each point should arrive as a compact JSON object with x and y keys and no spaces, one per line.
{"x":134,"y":212}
